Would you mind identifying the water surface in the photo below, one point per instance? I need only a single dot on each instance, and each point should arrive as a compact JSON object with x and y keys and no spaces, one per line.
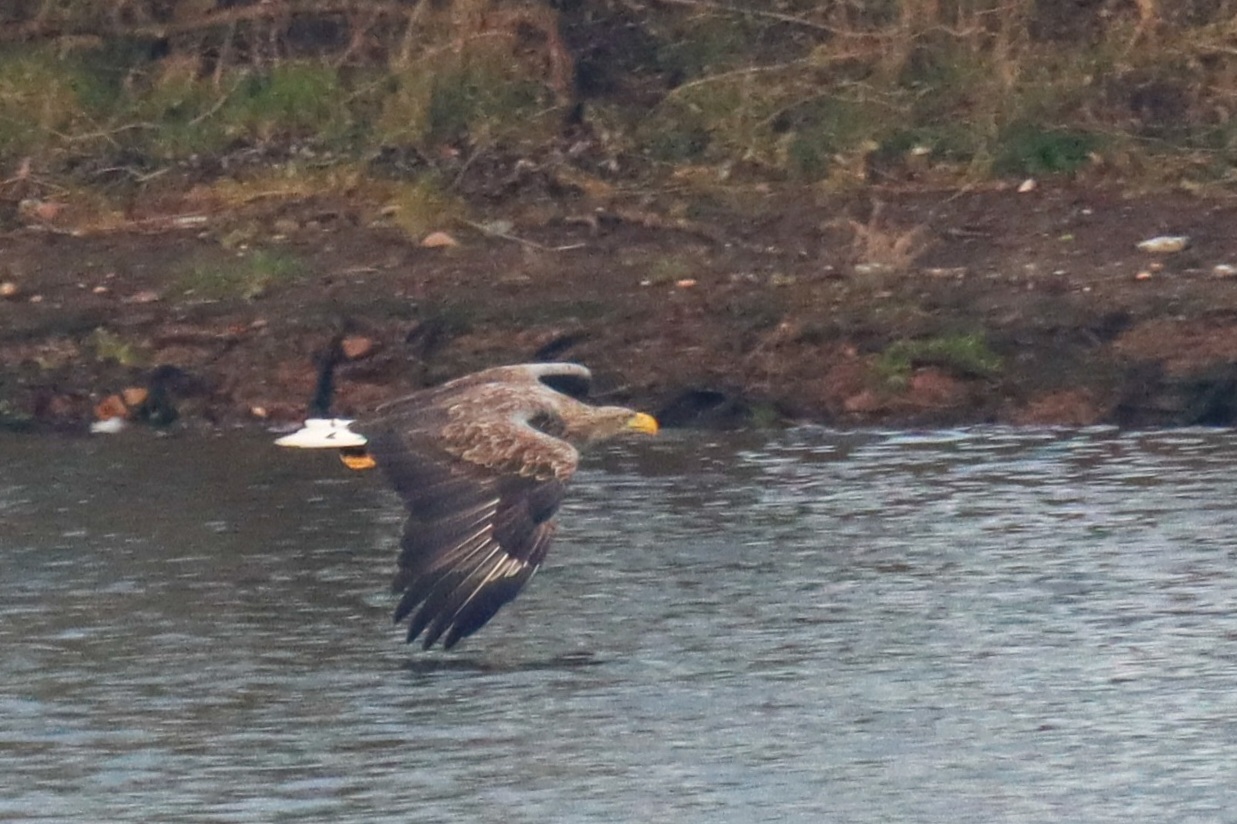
{"x":981,"y":625}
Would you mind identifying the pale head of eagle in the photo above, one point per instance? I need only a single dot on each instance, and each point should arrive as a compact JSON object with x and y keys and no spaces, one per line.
{"x":591,"y":424}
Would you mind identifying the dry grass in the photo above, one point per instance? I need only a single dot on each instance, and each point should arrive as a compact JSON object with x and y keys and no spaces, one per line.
{"x":840,"y":93}
{"x":880,"y":248}
{"x":864,"y":93}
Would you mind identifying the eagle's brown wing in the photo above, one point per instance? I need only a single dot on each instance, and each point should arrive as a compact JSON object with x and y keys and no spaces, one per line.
{"x":475,"y":533}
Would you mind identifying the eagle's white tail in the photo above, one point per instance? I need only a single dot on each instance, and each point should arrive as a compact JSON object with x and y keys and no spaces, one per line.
{"x":323,"y":433}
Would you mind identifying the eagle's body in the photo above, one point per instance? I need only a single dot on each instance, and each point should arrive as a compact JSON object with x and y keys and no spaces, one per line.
{"x":481,"y":464}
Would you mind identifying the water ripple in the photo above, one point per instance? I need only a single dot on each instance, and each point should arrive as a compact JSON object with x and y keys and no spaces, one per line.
{"x":963,"y":625}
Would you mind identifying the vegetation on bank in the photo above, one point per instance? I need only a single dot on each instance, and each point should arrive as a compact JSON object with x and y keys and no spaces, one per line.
{"x":413,"y":103}
{"x":962,"y":354}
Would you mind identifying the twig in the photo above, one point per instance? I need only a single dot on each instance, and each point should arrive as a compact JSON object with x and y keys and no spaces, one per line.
{"x":725,"y":8}
{"x":532,"y":244}
{"x":136,"y":174}
{"x":746,"y":71}
{"x":467,"y":164}
{"x":263,"y":11}
{"x":223,"y":98}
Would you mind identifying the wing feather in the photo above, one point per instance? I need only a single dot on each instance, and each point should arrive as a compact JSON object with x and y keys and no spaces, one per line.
{"x":481,"y":464}
{"x":474,"y":535}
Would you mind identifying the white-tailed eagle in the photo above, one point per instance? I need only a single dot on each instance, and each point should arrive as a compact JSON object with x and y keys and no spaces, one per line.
{"x":481,"y":463}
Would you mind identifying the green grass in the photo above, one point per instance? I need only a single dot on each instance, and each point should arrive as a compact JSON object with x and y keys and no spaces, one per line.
{"x":108,"y":346}
{"x":248,"y":276}
{"x":293,"y":99}
{"x":422,"y":207}
{"x":966,"y":354}
{"x":838,"y":94}
{"x":39,"y":98}
{"x":1027,"y":149}
{"x":476,"y":95}
{"x":667,"y":270}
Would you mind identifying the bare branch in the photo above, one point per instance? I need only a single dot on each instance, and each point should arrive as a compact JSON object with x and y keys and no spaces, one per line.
{"x":42,"y":28}
{"x":724,"y":8}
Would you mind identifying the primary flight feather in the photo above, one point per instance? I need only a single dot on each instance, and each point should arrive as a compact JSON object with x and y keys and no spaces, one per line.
{"x":481,"y":464}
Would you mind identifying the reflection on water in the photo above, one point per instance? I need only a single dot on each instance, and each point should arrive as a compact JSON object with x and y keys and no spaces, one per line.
{"x":980,"y":625}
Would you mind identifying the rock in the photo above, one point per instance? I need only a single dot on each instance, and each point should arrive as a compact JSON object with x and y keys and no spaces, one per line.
{"x":9,"y":290}
{"x":1164,"y":244}
{"x":134,"y":396}
{"x":439,"y":240}
{"x":1143,"y":275}
{"x":1224,"y":270}
{"x":356,"y":347}
{"x":43,"y":210}
{"x":113,"y":406}
{"x":107,"y":426}
{"x":1028,"y":185}
{"x":497,"y":227}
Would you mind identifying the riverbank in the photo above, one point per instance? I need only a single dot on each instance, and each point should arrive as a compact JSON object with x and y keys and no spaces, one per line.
{"x":743,"y":307}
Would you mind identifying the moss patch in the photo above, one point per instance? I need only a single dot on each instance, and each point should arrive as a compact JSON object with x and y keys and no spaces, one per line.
{"x":248,"y":276}
{"x":967,"y":355}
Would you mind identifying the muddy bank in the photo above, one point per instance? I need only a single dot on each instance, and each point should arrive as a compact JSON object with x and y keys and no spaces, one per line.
{"x":894,"y":308}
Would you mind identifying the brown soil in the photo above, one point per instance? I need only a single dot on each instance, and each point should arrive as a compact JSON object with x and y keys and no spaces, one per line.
{"x":758,"y":307}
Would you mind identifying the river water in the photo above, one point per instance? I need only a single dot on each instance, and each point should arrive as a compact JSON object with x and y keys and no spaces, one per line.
{"x":961,"y":626}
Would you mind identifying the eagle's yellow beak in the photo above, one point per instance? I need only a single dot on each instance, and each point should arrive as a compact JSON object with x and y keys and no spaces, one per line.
{"x":642,"y":423}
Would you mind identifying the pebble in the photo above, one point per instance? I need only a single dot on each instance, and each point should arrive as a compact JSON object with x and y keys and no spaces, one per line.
{"x":357,"y":346}
{"x":1164,"y":244}
{"x":439,"y":240}
{"x":9,"y":290}
{"x":1224,"y":270}
{"x":956,"y":272}
{"x":134,"y":396}
{"x":107,"y":426}
{"x":45,"y":210}
{"x":113,"y":406}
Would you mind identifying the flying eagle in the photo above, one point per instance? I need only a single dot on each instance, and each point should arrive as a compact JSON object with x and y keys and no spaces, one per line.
{"x":481,"y":463}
